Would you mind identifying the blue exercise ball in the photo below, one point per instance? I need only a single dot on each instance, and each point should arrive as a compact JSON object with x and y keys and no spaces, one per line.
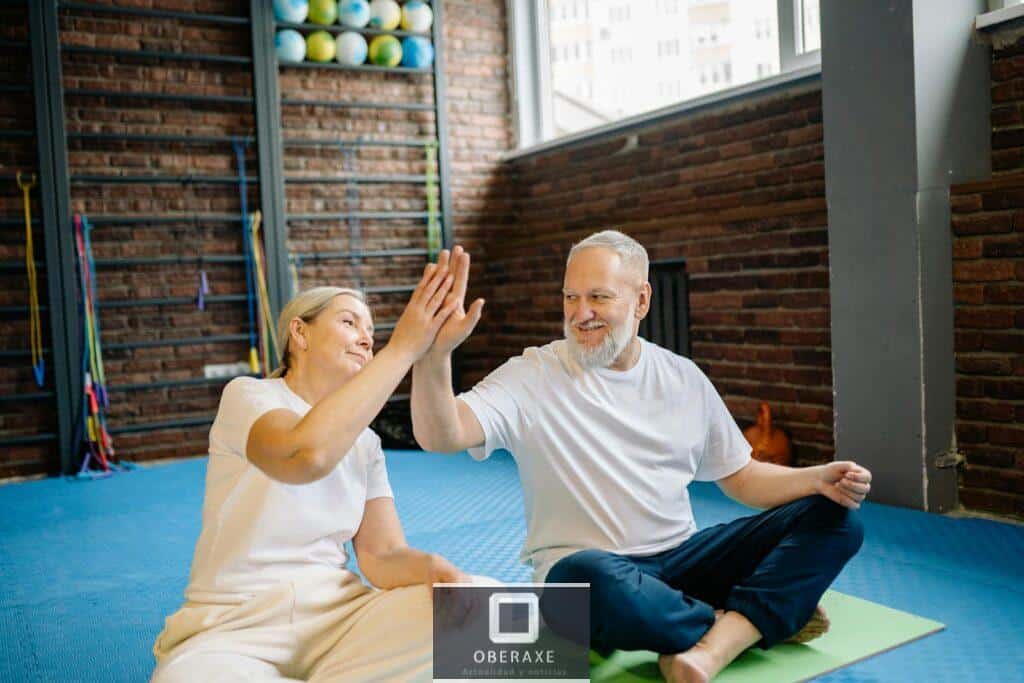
{"x":292,"y":11}
{"x":290,"y":46}
{"x":354,"y":13}
{"x":417,"y":52}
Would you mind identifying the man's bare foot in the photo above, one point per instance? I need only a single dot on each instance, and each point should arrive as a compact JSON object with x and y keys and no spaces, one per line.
{"x":693,"y":666}
{"x":815,"y":627}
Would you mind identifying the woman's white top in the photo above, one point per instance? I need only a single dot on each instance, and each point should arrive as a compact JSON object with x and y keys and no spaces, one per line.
{"x":258,"y":532}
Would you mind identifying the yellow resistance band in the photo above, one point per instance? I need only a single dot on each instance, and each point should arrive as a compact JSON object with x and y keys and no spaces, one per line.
{"x":35,"y":328}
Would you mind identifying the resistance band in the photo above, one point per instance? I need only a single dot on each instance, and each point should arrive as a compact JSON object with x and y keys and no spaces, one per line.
{"x":294,"y":263}
{"x":35,"y":330}
{"x":433,"y":224}
{"x":268,"y":335}
{"x":254,"y":361}
{"x":98,"y":444}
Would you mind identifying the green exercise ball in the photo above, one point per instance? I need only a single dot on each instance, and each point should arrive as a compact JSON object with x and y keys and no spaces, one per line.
{"x":385,"y":51}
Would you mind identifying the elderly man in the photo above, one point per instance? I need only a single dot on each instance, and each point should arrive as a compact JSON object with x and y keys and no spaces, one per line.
{"x":607,"y":430}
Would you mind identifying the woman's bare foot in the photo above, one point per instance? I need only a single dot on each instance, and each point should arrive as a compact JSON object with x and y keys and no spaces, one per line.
{"x":816,"y":626}
{"x":693,"y":666}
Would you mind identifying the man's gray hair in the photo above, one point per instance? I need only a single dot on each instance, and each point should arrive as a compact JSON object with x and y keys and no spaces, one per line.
{"x":632,"y":253}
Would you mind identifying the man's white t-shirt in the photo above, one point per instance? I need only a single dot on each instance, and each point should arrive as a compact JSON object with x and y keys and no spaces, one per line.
{"x":605,"y":456}
{"x":258,"y":532}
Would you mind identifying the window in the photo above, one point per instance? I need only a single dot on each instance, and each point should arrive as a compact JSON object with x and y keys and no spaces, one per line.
{"x":574,"y":85}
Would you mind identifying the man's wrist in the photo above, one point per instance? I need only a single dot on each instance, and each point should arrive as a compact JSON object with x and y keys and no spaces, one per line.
{"x":814,"y":479}
{"x":434,"y":357}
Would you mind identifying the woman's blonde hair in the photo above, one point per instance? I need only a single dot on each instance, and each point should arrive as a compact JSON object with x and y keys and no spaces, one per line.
{"x":306,"y":306}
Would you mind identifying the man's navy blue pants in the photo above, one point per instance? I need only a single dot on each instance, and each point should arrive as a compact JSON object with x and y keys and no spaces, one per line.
{"x":772,"y":568}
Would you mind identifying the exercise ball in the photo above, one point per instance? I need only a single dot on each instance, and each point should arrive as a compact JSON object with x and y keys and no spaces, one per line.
{"x":294,"y":11}
{"x":385,"y":51}
{"x":417,"y":16}
{"x":770,"y":443}
{"x":354,"y":13}
{"x":385,"y":14}
{"x":323,"y":11}
{"x":320,"y":46}
{"x":290,"y":46}
{"x":417,"y":52}
{"x":351,"y":48}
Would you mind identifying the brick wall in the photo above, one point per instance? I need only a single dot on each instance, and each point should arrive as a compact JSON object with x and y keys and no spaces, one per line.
{"x":479,"y":131}
{"x":740,"y":193}
{"x":988,"y":271}
{"x":17,"y":152}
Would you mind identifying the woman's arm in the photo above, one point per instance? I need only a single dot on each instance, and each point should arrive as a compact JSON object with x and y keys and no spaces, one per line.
{"x":299,"y":450}
{"x":385,"y":558}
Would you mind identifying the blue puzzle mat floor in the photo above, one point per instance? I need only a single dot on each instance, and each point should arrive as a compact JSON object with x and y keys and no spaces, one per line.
{"x":89,"y":570}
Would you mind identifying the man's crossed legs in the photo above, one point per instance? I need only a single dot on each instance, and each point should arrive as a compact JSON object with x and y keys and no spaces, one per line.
{"x":764,"y":574}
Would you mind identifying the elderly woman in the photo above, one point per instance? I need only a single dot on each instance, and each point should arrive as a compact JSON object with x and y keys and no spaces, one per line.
{"x":294,"y":473}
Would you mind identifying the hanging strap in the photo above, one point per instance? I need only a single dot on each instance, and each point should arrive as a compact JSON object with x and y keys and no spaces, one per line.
{"x":35,"y":329}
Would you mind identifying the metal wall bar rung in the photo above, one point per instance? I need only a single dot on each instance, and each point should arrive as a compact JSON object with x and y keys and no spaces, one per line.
{"x":17,"y":221}
{"x":379,"y":215}
{"x":187,"y":139}
{"x":33,"y":396}
{"x":156,"y":14}
{"x":156,"y":54}
{"x":362,"y":67}
{"x":170,"y":301}
{"x":8,"y":88}
{"x":16,"y":133}
{"x":24,"y":441}
{"x":166,"y":97}
{"x":389,"y":289}
{"x":171,"y":383}
{"x":340,"y":255}
{"x":164,"y":219}
{"x":309,"y":142}
{"x":168,"y":260}
{"x":330,"y":104}
{"x":8,"y":266}
{"x":191,"y":341}
{"x":22,"y":309}
{"x":340,"y":28}
{"x":21,"y":353}
{"x":370,"y":179}
{"x":160,"y":180}
{"x":165,"y":424}
{"x":17,"y":44}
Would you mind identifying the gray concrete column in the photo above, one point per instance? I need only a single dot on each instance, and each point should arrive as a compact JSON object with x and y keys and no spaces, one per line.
{"x":905,"y":100}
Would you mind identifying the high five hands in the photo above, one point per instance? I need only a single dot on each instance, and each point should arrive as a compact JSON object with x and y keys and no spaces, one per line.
{"x":460,"y":322}
{"x":435,"y":320}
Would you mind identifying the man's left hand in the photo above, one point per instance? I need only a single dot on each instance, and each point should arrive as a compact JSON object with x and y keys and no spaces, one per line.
{"x":844,"y":482}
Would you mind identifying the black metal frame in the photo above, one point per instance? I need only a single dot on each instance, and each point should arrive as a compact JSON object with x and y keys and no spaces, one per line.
{"x":56,"y":181}
{"x":668,"y":321}
{"x":271,"y":154}
{"x":55,"y":202}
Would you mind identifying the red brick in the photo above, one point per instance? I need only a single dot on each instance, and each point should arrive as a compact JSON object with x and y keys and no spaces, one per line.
{"x":983,"y":271}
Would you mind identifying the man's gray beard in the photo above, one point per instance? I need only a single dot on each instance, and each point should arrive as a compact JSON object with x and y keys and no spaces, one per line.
{"x":605,"y":353}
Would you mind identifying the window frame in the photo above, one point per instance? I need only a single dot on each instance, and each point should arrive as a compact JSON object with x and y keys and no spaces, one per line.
{"x":531,"y":76}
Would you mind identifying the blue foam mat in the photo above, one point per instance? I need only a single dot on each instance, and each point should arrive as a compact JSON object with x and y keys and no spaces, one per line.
{"x":88,"y":570}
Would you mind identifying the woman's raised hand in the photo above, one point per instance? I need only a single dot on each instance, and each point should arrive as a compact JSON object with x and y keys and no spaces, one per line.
{"x":428,"y":309}
{"x":460,"y":322}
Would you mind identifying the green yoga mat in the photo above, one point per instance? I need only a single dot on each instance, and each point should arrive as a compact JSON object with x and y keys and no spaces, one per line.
{"x":859,"y":630}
